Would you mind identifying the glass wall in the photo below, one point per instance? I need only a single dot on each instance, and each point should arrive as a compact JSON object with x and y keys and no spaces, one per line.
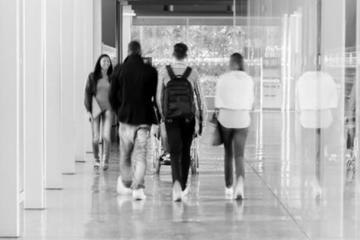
{"x":211,"y":41}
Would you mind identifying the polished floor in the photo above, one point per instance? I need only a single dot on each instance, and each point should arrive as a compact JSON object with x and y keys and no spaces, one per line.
{"x":279,"y":204}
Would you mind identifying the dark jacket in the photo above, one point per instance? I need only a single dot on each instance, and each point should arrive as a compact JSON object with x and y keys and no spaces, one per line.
{"x":90,"y":91}
{"x":133,"y":91}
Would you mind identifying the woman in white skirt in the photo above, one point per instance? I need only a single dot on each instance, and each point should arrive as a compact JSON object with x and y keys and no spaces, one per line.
{"x":234,"y":101}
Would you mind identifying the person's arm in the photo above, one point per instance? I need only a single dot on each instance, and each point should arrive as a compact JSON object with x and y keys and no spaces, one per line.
{"x":115,"y":89}
{"x":159,"y":91}
{"x":200,"y":100}
{"x":88,"y":94}
{"x":154,"y":84}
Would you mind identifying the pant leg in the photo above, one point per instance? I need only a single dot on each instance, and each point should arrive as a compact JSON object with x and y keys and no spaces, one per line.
{"x":240,"y":136}
{"x":139,"y":156}
{"x":175,"y":147}
{"x":227,"y":135}
{"x":187,"y":132}
{"x":107,"y":124}
{"x":126,"y":147}
{"x":95,"y":130}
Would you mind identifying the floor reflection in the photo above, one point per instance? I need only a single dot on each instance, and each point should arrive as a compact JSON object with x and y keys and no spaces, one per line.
{"x":279,"y":204}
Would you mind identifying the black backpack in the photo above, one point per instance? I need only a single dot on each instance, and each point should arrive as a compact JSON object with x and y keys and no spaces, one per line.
{"x":178,"y":97}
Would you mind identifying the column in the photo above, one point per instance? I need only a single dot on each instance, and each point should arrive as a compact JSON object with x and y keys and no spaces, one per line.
{"x":97,"y":30}
{"x":333,"y":62}
{"x":88,"y":37}
{"x":9,"y":127}
{"x":52,"y":96}
{"x":34,"y":105}
{"x":82,"y":57}
{"x":67,"y":82}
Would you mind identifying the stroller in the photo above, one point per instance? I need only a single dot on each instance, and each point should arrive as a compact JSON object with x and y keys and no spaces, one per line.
{"x":161,"y":155}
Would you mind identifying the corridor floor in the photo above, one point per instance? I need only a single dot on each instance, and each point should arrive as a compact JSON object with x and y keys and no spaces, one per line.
{"x":279,"y":203}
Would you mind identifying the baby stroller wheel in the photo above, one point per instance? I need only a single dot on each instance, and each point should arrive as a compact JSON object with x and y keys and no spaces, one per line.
{"x":157,"y":166}
{"x":194,"y":164}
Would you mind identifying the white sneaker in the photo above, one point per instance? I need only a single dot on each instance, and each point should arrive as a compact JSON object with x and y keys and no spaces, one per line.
{"x":186,"y":192}
{"x":97,"y":164}
{"x":229,"y":192}
{"x":316,"y":190}
{"x":121,"y":188}
{"x":138,"y":194}
{"x":177,"y":193}
{"x":239,"y":189}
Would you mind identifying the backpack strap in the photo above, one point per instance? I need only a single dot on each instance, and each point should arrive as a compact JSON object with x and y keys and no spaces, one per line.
{"x":187,"y":72}
{"x":170,"y":72}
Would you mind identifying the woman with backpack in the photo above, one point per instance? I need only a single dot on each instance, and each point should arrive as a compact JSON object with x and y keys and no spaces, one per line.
{"x":233,"y":100}
{"x":99,"y":110}
{"x":181,"y":105}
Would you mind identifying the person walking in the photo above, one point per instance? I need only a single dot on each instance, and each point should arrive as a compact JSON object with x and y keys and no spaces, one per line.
{"x":132,"y":96}
{"x":233,"y":100}
{"x":99,"y":110}
{"x":181,"y":105}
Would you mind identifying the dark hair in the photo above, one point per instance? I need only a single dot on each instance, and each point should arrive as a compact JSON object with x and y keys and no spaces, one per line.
{"x":238,"y":59}
{"x":97,"y":70}
{"x":180,"y":51}
{"x":134,"y":48}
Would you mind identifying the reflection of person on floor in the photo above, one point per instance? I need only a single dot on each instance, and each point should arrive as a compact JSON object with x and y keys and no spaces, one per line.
{"x":178,"y":83}
{"x":316,"y":98}
{"x":99,"y":109}
{"x":132,"y":96}
{"x":234,"y":98}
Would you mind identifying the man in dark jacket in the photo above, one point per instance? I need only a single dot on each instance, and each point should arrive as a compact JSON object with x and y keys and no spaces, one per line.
{"x":132,"y":97}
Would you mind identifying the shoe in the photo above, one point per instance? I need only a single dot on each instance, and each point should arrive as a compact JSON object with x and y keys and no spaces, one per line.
{"x":138,"y":194}
{"x":177,"y":193}
{"x":229,"y":192}
{"x":121,"y":188}
{"x":239,"y":189}
{"x":186,"y":192}
{"x":97,"y":164}
{"x":106,"y":166}
{"x":316,"y":190}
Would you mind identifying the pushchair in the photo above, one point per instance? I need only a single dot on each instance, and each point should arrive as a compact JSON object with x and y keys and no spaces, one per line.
{"x":161,"y":154}
{"x":351,"y":148}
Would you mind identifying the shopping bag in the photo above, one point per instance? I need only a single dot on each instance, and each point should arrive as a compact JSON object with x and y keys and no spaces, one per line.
{"x":214,"y":130}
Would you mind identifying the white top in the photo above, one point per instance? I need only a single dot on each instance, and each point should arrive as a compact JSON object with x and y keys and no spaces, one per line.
{"x":235,"y":90}
{"x":316,"y":91}
{"x":316,"y":118}
{"x":234,"y":118}
{"x":234,"y":97}
{"x":316,"y":95}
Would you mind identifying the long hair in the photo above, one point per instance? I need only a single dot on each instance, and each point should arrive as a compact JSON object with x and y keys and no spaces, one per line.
{"x":239,"y":59}
{"x":97,"y":70}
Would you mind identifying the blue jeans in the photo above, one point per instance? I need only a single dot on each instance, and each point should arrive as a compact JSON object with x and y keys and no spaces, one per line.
{"x":133,"y":151}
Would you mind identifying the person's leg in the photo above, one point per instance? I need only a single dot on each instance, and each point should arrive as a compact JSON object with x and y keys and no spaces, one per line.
{"x":239,"y":141}
{"x":107,"y":124}
{"x":319,"y":156}
{"x":95,"y":127}
{"x":139,"y":157}
{"x":227,"y":135}
{"x":175,"y":147}
{"x":240,"y":136}
{"x":187,"y":132}
{"x":126,"y":133}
